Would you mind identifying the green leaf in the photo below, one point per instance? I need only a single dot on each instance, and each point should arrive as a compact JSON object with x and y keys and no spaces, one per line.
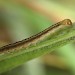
{"x":58,"y":39}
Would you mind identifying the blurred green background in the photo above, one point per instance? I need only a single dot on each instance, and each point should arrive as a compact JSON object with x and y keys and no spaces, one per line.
{"x":20,"y":19}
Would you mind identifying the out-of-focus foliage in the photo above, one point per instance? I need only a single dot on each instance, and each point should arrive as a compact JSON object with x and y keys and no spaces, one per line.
{"x":23,"y":18}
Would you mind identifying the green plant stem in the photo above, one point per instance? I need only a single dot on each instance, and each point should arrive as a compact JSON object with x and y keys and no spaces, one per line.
{"x":20,"y":59}
{"x":12,"y":60}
